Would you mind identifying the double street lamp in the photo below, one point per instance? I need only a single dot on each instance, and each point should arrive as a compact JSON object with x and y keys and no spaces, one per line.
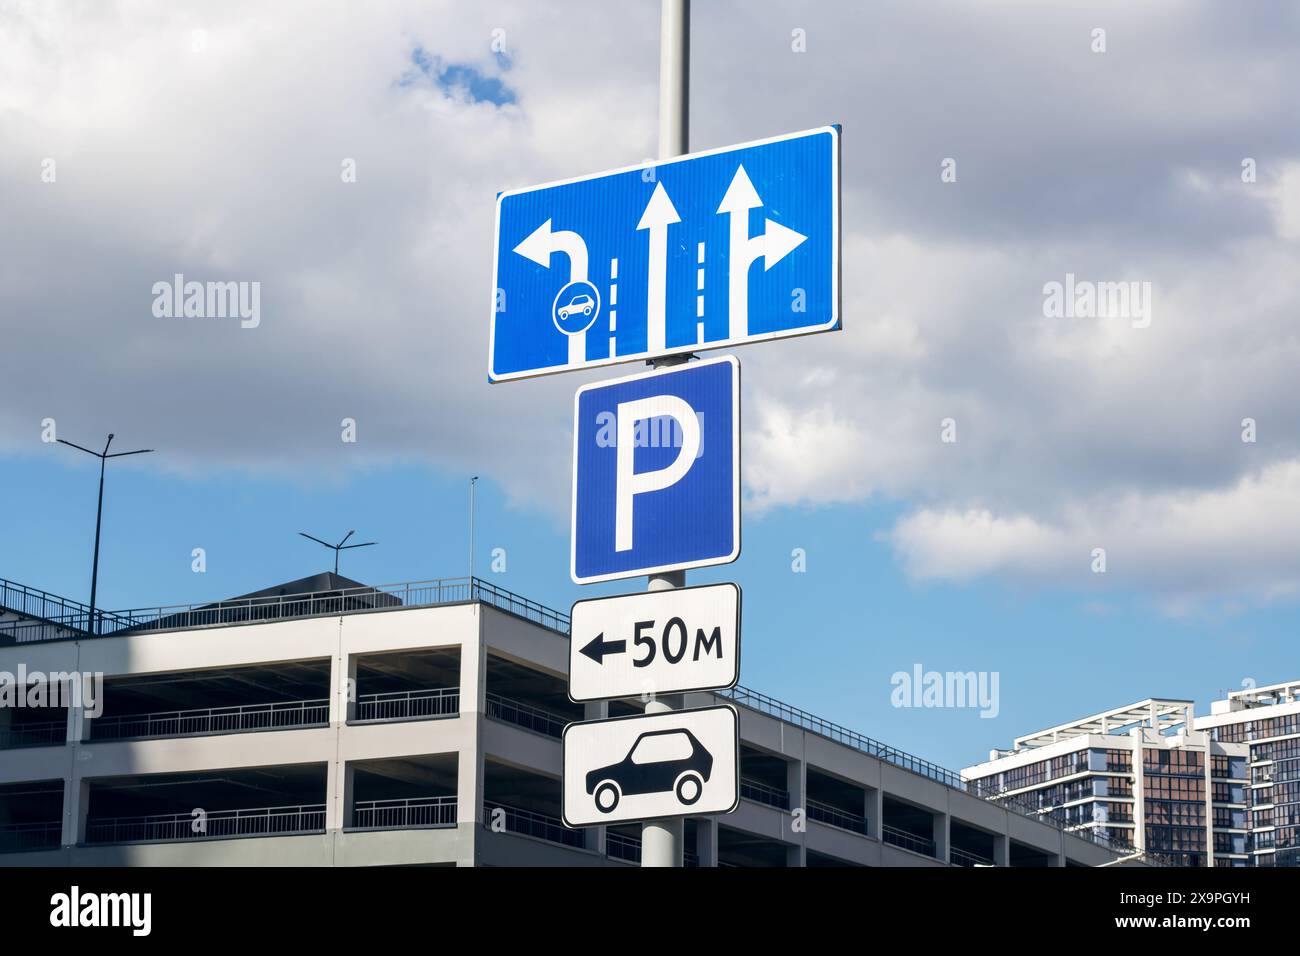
{"x":103,"y":457}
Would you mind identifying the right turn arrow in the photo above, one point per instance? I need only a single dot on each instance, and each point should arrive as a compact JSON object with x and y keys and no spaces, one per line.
{"x":772,"y":246}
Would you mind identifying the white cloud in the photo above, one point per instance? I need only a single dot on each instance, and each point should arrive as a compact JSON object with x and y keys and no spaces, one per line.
{"x":224,"y":164}
{"x":1184,"y":547}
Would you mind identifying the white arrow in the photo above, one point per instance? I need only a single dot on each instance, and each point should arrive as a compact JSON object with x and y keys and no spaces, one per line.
{"x":538,"y":247}
{"x":658,"y":216}
{"x":776,"y":242}
{"x":542,"y":242}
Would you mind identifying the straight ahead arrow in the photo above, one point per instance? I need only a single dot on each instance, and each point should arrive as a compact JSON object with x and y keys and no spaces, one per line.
{"x":660,"y":213}
{"x":599,"y":647}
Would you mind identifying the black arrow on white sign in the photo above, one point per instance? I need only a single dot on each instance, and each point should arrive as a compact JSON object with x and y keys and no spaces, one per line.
{"x":599,"y":647}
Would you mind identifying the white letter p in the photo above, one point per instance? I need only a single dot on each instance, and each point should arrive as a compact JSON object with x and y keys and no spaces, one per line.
{"x":628,"y":484}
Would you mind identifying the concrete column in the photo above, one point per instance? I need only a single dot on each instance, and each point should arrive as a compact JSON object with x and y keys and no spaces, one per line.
{"x":942,"y":832}
{"x":470,"y":760}
{"x":706,"y":841}
{"x":796,"y":775}
{"x":1139,"y":790}
{"x":7,"y":718}
{"x":1059,"y":858}
{"x":76,"y":807}
{"x":875,"y":811}
{"x":340,"y":799}
{"x":1001,"y":849}
{"x":343,"y":688}
{"x":77,"y":723}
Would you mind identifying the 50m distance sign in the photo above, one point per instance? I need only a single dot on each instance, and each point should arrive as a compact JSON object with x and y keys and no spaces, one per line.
{"x":655,"y":643}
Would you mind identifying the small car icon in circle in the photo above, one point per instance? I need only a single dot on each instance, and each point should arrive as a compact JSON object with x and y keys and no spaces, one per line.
{"x":579,"y":303}
{"x":661,"y":761}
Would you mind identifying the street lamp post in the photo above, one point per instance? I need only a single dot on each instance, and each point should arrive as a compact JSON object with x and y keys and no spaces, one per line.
{"x":341,"y":546}
{"x":103,"y":457}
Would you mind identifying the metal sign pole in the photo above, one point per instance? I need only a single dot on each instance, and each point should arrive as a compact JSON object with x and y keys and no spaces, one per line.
{"x":662,"y":840}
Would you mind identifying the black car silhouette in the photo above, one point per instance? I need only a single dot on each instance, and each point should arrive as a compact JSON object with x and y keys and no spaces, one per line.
{"x":661,"y":761}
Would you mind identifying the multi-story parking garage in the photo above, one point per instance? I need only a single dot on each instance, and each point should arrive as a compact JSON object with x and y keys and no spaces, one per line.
{"x":329,"y":723}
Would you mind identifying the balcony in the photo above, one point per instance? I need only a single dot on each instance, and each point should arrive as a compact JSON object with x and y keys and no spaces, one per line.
{"x":30,"y":837}
{"x":965,"y":858}
{"x":525,"y":715}
{"x":835,"y":817}
{"x":751,"y":789}
{"x":408,"y":705}
{"x":411,"y":813}
{"x":908,"y":841}
{"x":284,"y":715}
{"x":52,"y":733}
{"x":621,"y":846}
{"x":529,"y":823}
{"x":218,"y":825}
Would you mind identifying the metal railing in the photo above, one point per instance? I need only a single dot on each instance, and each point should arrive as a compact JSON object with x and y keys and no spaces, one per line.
{"x":33,"y":602}
{"x":36,"y":603}
{"x":762,"y":793}
{"x":959,"y":857}
{"x":834,"y":816}
{"x":621,"y":847}
{"x":908,"y":841}
{"x":52,"y":733}
{"x":512,"y":603}
{"x":408,"y":705}
{"x":215,"y":825}
{"x":339,"y":601}
{"x":213,"y":720}
{"x":851,"y":738}
{"x":526,"y":716}
{"x":1017,"y":803}
{"x":532,"y":824}
{"x":23,"y":837}
{"x":404,"y":814}
{"x":34,"y":632}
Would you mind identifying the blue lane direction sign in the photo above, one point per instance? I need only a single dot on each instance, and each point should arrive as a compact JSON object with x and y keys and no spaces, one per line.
{"x":656,"y":472}
{"x":661,"y":259}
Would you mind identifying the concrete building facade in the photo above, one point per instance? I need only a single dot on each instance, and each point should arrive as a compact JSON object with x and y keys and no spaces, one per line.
{"x":330,"y":723}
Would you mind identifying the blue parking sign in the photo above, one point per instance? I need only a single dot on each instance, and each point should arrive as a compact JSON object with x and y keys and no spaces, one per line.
{"x":656,"y":472}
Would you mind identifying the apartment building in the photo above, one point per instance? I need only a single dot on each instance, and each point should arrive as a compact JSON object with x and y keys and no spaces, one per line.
{"x":1267,"y":721}
{"x":325,"y":722}
{"x":1142,"y":776}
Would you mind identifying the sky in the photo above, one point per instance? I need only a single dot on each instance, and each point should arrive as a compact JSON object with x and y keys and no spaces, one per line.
{"x":348,"y":163}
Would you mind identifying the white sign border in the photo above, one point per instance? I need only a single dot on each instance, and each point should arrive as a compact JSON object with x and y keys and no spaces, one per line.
{"x":573,"y":649}
{"x":735,"y":475}
{"x":837,"y":269}
{"x":686,"y":812}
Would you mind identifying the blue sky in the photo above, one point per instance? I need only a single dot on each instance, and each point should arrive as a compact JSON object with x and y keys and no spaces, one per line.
{"x":359,"y":199}
{"x":827,"y":640}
